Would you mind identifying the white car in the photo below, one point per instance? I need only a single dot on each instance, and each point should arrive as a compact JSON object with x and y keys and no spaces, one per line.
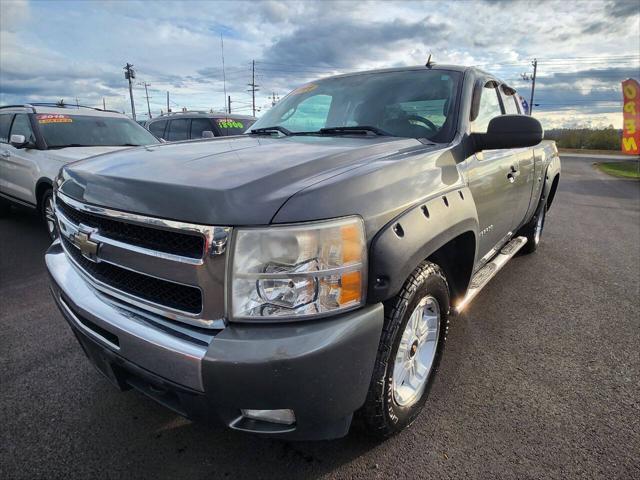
{"x":37,"y":139}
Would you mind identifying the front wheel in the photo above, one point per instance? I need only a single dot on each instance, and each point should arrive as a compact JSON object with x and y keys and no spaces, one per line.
{"x":48,"y":214}
{"x":410,"y":349}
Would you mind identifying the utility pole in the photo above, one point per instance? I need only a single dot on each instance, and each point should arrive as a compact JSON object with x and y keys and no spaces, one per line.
{"x":533,"y":83}
{"x":168,"y":107}
{"x":129,"y":74}
{"x":77,"y":103}
{"x":104,"y":104}
{"x":146,"y":92}
{"x":254,"y":87}
{"x":274,"y":99}
{"x":229,"y":104}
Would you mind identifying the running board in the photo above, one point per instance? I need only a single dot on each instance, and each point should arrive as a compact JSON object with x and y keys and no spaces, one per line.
{"x":486,"y":273}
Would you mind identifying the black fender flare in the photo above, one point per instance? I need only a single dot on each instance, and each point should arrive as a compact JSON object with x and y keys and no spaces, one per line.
{"x":414,"y":235}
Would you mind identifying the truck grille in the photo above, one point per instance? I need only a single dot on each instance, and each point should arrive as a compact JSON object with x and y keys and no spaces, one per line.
{"x":176,"y":243}
{"x":174,"y":295}
{"x":170,"y":268}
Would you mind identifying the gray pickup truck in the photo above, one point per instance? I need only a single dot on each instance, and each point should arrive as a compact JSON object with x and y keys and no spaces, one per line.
{"x":288,"y":279}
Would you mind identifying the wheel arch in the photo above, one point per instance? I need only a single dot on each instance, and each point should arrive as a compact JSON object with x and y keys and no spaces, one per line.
{"x":42,"y":186}
{"x":442,"y":230}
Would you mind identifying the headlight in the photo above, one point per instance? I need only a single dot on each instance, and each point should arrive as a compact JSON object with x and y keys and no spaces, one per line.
{"x":298,"y":270}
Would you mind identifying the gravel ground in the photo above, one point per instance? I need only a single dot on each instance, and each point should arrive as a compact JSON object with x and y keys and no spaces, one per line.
{"x":540,"y":378}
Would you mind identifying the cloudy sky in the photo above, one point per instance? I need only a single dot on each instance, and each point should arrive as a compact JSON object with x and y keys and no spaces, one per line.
{"x":55,"y":49}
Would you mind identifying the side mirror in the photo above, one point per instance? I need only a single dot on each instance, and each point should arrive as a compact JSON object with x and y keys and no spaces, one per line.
{"x":207,"y":134}
{"x":509,"y":131}
{"x":18,"y":141}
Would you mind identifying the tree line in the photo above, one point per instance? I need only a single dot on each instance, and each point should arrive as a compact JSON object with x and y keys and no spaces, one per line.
{"x":608,"y":138}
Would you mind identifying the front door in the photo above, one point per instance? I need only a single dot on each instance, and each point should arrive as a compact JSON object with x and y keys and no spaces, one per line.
{"x":19,"y":165}
{"x":491,"y":175}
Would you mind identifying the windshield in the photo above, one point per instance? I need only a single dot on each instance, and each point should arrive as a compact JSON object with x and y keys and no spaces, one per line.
{"x":91,"y":131}
{"x":233,"y":126}
{"x":412,"y":103}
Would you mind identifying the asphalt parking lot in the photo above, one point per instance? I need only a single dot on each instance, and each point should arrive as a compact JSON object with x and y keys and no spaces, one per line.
{"x":540,"y":377}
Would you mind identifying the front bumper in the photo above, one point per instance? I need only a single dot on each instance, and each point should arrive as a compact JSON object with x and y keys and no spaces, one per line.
{"x":319,"y":369}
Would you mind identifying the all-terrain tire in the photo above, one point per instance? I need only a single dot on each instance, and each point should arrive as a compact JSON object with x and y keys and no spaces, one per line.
{"x":381,"y":415}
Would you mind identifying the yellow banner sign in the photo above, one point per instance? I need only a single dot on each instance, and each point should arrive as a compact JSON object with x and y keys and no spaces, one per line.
{"x":631,"y":117}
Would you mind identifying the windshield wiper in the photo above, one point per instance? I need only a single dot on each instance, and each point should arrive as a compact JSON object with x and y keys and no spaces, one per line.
{"x":270,"y":130}
{"x":357,"y":129}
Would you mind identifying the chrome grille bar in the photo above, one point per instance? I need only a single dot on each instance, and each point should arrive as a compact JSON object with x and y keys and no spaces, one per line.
{"x":205,"y":273}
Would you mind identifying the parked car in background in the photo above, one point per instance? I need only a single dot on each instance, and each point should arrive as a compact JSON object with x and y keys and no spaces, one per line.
{"x":37,"y":139}
{"x":191,"y":125}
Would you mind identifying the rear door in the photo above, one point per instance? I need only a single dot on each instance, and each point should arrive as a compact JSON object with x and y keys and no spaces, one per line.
{"x":523,"y":160}
{"x":490,"y":174}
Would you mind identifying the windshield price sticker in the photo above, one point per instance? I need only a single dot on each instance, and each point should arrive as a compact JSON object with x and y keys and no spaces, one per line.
{"x":53,"y":118}
{"x":226,"y":123}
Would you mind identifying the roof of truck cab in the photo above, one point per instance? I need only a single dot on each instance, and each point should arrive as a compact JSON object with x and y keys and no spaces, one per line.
{"x":455,"y":68}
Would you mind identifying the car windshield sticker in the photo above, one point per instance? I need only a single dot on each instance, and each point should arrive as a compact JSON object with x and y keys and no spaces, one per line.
{"x":49,"y":118}
{"x":228,"y":123}
{"x":310,"y":87}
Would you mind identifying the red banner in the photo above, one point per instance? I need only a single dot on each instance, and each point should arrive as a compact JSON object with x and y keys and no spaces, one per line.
{"x":631,"y":117}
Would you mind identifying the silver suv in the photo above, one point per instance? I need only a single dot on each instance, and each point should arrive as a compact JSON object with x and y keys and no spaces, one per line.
{"x":37,"y":139}
{"x":191,"y":125}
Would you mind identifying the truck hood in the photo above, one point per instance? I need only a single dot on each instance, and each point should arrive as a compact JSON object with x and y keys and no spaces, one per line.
{"x":71,"y":154}
{"x":227,"y":181}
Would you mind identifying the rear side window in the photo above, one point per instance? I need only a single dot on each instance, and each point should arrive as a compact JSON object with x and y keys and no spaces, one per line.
{"x":199,"y":125}
{"x":489,"y":108}
{"x":233,"y":126}
{"x":178,"y":130}
{"x":157,"y":128}
{"x":509,"y":102}
{"x":22,"y":126}
{"x":5,"y":124}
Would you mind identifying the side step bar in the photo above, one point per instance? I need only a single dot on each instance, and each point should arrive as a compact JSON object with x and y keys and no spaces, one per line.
{"x":486,"y":273}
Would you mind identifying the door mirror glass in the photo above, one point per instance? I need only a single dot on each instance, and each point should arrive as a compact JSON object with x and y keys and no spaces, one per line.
{"x":207,"y":134}
{"x":18,"y":141}
{"x":509,"y":131}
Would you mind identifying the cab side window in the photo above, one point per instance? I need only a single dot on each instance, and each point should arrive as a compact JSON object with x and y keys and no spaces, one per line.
{"x":509,"y":102}
{"x":22,"y":126}
{"x":489,"y":108}
{"x":5,"y":125}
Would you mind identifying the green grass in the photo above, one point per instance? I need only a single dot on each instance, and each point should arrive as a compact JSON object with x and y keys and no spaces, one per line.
{"x":624,"y":169}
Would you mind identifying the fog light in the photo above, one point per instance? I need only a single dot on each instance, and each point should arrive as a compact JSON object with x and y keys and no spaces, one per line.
{"x":283,"y":417}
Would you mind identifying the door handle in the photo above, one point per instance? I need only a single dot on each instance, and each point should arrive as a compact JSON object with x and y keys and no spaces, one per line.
{"x":5,"y":154}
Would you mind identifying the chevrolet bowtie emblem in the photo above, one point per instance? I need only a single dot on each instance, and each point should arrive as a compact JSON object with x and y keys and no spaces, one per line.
{"x":88,"y":247}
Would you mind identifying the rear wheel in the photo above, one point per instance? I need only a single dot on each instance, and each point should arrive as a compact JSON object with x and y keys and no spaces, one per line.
{"x":48,"y":213}
{"x":533,"y":230}
{"x":410,"y":349}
